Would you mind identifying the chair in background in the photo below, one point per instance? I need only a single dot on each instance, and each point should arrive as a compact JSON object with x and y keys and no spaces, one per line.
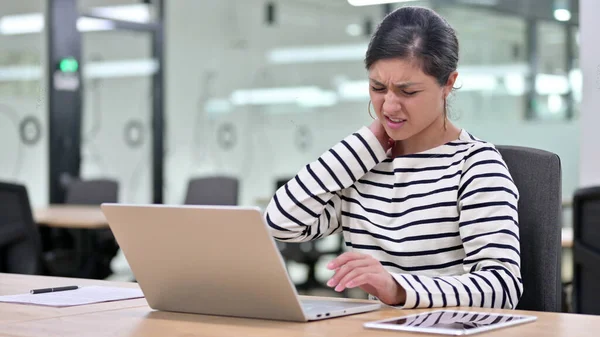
{"x":20,"y":246}
{"x":99,"y":243}
{"x":96,"y":192}
{"x":216,"y":191}
{"x":586,"y":251}
{"x":537,"y":175}
{"x":92,"y":192}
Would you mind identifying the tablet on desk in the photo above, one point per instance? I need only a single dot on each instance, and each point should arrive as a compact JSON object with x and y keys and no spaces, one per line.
{"x":450,"y":322}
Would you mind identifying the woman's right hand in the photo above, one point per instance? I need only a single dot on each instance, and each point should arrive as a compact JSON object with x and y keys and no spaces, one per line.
{"x":379,"y":131}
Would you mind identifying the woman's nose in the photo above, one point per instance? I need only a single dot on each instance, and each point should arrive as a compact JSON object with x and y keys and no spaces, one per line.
{"x":391,"y":103}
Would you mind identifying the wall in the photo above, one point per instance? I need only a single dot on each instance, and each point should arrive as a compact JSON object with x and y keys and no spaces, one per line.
{"x":22,"y":162}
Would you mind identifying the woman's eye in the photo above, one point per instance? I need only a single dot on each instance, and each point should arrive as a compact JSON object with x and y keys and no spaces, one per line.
{"x":377,"y":89}
{"x":410,"y":93}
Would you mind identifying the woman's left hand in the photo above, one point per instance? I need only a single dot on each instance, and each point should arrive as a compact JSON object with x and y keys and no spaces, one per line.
{"x":362,"y":270}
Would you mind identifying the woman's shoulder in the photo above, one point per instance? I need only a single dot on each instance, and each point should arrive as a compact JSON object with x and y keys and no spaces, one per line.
{"x":466,"y":137}
{"x":483,"y":160}
{"x":478,"y":149}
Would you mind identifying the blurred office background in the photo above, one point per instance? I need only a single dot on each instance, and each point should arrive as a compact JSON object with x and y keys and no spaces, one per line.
{"x":254,"y":89}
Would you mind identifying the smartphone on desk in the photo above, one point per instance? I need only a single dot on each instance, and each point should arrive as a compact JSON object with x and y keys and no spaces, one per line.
{"x":450,"y":322}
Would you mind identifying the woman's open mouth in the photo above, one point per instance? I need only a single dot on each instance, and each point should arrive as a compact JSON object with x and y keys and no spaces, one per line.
{"x":394,"y":123}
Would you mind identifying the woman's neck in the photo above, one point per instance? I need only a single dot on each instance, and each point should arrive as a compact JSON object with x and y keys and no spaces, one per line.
{"x":436,"y":134}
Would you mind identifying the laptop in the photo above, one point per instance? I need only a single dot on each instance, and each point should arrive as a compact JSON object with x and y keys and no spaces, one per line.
{"x":215,"y":260}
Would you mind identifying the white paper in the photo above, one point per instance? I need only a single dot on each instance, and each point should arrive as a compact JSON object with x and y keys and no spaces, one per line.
{"x":81,"y":296}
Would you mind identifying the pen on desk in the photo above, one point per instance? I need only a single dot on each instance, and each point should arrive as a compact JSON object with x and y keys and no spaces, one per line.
{"x":51,"y":290}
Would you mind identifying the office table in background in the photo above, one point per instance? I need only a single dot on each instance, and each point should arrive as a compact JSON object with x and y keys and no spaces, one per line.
{"x":135,"y":318}
{"x":71,"y":216}
{"x":91,"y":217}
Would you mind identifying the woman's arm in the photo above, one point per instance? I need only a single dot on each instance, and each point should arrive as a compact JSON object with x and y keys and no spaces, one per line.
{"x":309,"y":206}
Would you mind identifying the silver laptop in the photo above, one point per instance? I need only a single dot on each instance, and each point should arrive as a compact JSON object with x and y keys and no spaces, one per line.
{"x":214,"y":260}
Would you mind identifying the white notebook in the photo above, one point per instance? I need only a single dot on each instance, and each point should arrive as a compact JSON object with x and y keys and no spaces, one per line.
{"x":81,"y":296}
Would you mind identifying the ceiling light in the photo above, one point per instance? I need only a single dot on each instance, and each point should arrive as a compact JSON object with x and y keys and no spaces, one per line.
{"x":21,"y":24}
{"x":135,"y":13}
{"x":125,"y":68}
{"x":309,"y":96}
{"x":94,"y":25}
{"x":320,"y":99}
{"x":548,"y":84}
{"x":34,"y":22}
{"x":562,"y":14}
{"x":107,"y":69}
{"x":312,"y":54}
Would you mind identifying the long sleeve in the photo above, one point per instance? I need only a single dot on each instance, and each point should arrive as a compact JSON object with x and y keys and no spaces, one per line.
{"x":488,"y":227}
{"x":308,"y":207}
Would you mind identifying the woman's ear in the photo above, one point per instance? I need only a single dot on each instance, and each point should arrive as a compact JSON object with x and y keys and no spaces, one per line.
{"x":450,"y":83}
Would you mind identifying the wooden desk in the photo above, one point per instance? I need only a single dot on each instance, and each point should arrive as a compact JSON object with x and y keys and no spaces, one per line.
{"x":118,"y":319}
{"x":71,"y":216}
{"x":12,"y":284}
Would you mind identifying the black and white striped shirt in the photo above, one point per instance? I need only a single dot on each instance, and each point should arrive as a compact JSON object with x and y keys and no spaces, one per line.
{"x":443,"y":222}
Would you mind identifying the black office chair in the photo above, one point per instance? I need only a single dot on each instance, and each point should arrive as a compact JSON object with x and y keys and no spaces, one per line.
{"x":586,"y":251}
{"x":92,"y":192}
{"x":537,"y":175}
{"x":20,"y":246}
{"x":217,"y":190}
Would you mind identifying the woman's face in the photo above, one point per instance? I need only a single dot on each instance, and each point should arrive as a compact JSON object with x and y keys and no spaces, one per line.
{"x":406,"y":100}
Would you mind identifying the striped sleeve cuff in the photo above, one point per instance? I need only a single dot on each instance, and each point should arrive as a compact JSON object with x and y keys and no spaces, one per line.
{"x":413,"y":298}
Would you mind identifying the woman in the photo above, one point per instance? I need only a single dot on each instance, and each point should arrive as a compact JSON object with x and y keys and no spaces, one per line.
{"x":428,"y":211}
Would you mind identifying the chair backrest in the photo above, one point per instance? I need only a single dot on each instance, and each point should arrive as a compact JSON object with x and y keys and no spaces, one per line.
{"x":92,"y":192}
{"x":537,"y":175}
{"x":20,"y":245}
{"x":281,"y":182}
{"x":214,"y":191}
{"x":586,"y":251}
